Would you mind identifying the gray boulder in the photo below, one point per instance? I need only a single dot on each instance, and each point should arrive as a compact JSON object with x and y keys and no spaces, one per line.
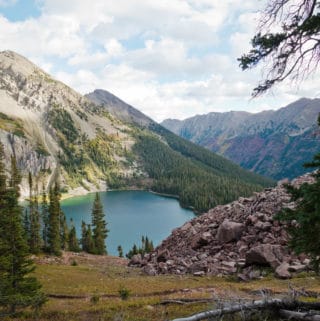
{"x":265,"y":254}
{"x":229,"y":231}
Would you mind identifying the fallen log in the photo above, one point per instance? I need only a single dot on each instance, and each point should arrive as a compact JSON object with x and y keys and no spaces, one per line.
{"x":233,"y":309}
{"x":303,"y":316}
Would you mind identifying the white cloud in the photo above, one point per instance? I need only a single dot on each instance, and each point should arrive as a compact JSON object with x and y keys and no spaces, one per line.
{"x":48,"y":35}
{"x":170,"y":58}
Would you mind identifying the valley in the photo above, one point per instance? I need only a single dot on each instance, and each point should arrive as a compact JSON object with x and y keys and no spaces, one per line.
{"x":274,"y":143}
{"x":105,"y":143}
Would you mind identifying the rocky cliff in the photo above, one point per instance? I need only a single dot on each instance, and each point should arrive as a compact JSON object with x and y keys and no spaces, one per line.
{"x":50,"y":128}
{"x":231,"y":239}
{"x":271,"y":143}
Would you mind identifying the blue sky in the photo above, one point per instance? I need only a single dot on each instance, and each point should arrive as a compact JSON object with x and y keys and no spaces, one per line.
{"x":168,"y":58}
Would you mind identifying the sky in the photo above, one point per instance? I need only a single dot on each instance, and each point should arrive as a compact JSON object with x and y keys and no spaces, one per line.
{"x":168,"y":58}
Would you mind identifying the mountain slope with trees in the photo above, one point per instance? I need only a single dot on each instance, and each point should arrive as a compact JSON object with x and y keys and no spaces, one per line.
{"x":200,"y":178}
{"x":271,"y":143}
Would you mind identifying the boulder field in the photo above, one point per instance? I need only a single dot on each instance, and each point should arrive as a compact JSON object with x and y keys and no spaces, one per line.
{"x":239,"y":238}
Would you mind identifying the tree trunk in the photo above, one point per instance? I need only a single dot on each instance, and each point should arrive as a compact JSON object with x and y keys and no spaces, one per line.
{"x":233,"y":309}
{"x":304,"y":316}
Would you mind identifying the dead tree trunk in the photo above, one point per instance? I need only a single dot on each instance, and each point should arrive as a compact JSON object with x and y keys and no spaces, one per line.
{"x":233,"y":309}
{"x":284,"y":308}
{"x":303,"y":316}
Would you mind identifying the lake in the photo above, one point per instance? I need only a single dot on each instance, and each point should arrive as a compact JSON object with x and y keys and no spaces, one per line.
{"x":130,"y":215}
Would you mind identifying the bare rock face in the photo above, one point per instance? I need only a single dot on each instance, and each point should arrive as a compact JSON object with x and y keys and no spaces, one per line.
{"x":233,"y":238}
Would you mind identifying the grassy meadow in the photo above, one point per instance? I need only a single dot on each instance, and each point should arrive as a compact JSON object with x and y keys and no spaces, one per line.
{"x":98,"y":288}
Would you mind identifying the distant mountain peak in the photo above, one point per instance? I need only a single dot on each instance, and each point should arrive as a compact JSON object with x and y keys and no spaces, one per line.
{"x":274,"y":143}
{"x":118,"y":107}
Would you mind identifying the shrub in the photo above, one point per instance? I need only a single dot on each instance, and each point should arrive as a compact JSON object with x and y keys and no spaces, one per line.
{"x":124,"y":293}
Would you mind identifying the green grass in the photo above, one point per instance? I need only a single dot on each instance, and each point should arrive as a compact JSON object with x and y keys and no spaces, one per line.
{"x":94,"y":285}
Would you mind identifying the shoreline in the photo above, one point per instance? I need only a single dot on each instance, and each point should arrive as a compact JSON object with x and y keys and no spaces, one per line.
{"x":81,"y":191}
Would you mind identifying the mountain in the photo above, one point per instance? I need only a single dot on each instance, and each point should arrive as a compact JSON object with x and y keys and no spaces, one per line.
{"x":102,"y":142}
{"x":271,"y":143}
{"x":119,"y":108}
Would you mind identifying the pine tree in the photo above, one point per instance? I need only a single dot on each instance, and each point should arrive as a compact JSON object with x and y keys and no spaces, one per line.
{"x":64,"y":231}
{"x":72,"y":239}
{"x":34,"y":217}
{"x":3,"y":177}
{"x":304,"y":232}
{"x":83,"y":240}
{"x":54,"y":240}
{"x":120,"y":251}
{"x":17,"y":289}
{"x":286,"y":44}
{"x":45,"y":219}
{"x":100,"y":231}
{"x":90,"y":241}
{"x":133,"y":251}
{"x":87,"y":242}
{"x":26,"y":226}
{"x":148,"y":245}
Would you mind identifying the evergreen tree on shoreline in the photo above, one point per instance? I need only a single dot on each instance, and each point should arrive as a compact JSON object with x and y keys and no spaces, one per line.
{"x":99,"y":226}
{"x":73,"y":243}
{"x":34,"y":218}
{"x":83,"y":240}
{"x":45,"y":219}
{"x":120,"y":250}
{"x":54,"y":241}
{"x":87,"y":242}
{"x":64,"y":231}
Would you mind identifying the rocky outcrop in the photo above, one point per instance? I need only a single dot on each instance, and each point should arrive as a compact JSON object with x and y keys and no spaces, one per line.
{"x":28,"y":159}
{"x":229,"y":239}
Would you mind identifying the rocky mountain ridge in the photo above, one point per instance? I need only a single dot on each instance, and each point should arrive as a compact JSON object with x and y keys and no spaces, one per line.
{"x":231,"y":239}
{"x":119,"y":108}
{"x":102,"y":142}
{"x":49,"y":126}
{"x":274,"y":143}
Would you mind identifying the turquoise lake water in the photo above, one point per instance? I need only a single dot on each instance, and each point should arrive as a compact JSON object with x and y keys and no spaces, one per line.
{"x":130,"y":215}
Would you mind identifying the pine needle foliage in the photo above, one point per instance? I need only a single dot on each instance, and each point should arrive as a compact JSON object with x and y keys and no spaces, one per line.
{"x":99,"y":226}
{"x":17,"y":288}
{"x":304,"y":220}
